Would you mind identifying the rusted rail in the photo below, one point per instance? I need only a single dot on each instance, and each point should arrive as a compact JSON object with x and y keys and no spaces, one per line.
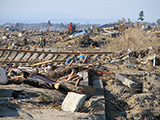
{"x":56,"y":52}
{"x":26,"y":61}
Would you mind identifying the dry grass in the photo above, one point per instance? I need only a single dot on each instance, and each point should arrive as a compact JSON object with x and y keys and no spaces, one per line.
{"x":134,"y":39}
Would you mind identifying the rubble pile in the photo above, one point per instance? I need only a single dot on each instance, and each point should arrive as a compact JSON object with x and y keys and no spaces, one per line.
{"x":85,"y":41}
{"x":104,"y":85}
{"x":28,"y":39}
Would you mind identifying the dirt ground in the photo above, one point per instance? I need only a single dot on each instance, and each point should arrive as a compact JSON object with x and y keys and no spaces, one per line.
{"x":31,"y":107}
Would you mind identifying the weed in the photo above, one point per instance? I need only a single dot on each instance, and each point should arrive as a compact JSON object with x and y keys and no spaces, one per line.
{"x":133,"y":39}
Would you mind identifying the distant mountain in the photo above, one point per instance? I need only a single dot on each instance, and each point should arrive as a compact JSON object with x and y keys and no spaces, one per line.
{"x":61,"y":20}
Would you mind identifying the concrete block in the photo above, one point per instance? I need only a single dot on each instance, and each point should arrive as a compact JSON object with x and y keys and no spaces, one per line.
{"x":97,"y":83}
{"x":73,"y":101}
{"x":3,"y":76}
{"x":85,"y":81}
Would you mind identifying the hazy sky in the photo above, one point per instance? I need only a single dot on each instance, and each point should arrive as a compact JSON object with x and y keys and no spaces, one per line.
{"x":82,"y":11}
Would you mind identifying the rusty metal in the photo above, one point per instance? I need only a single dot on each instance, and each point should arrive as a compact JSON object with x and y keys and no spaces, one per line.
{"x":26,"y":61}
{"x":56,"y":52}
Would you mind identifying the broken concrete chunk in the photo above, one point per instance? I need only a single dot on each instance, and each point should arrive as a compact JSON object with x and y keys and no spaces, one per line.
{"x":124,"y":80}
{"x":3,"y":76}
{"x":73,"y":101}
{"x":130,"y":64}
{"x":85,"y":81}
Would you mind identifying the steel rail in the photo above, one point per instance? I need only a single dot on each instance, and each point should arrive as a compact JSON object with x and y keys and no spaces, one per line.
{"x":56,"y":52}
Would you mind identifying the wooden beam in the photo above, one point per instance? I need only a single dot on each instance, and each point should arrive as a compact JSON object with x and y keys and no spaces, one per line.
{"x":49,"y":61}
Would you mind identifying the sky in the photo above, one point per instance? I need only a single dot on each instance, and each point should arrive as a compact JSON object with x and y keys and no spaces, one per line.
{"x":77,"y":11}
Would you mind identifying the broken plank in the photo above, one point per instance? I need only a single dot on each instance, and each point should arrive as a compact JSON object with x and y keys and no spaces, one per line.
{"x":129,"y":52}
{"x":72,"y":77}
{"x":49,"y":61}
{"x":85,"y":58}
{"x":72,"y":73}
{"x":77,"y":83}
{"x":97,"y":56}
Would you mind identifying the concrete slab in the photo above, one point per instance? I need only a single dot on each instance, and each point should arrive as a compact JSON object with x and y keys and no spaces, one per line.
{"x":97,"y":83}
{"x":3,"y":76}
{"x":73,"y":101}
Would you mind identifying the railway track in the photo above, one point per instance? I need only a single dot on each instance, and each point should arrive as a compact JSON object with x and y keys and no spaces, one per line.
{"x":32,"y":56}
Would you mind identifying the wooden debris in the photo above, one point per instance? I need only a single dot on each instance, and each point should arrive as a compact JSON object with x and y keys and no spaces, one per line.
{"x":124,"y":55}
{"x":89,"y":91}
{"x":65,"y":70}
{"x":70,"y":63}
{"x":85,"y":58}
{"x":77,"y":83}
{"x":49,"y":61}
{"x":21,"y":78}
{"x":72,"y":77}
{"x":76,"y":78}
{"x":72,"y":73}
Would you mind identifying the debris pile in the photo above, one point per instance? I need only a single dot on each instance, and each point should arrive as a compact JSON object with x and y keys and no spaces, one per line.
{"x":106,"y":85}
